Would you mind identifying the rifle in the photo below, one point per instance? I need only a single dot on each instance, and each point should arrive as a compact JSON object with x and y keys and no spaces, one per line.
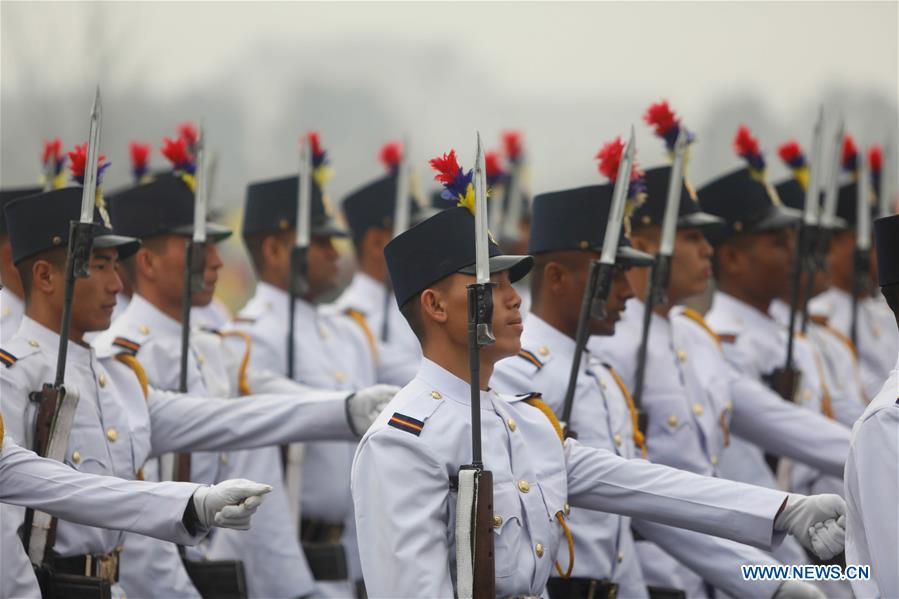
{"x":887,"y":180}
{"x":599,"y":278}
{"x":862,"y":255}
{"x":56,"y":402}
{"x":509,"y":223}
{"x":194,"y":268}
{"x":401,"y":217}
{"x":784,"y":380}
{"x":660,"y":274}
{"x":474,"y":508}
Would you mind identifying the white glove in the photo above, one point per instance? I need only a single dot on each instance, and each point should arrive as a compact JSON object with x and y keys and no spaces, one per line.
{"x":364,"y":406}
{"x":229,"y":504}
{"x":816,"y":522}
{"x":798,"y":589}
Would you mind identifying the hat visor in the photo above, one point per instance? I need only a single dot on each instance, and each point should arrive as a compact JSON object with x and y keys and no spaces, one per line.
{"x":518,"y":266}
{"x":778,"y":218}
{"x":127,"y":246}
{"x":214,"y":231}
{"x":700,"y":220}
{"x":628,"y":256}
{"x":329,"y":228}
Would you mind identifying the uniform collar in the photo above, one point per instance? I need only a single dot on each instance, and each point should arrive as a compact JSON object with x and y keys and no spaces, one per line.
{"x":279,"y":301}
{"x":748,"y":316}
{"x":449,"y":385}
{"x":145,"y":314}
{"x":48,"y":341}
{"x":539,"y":332}
{"x":367,"y":286}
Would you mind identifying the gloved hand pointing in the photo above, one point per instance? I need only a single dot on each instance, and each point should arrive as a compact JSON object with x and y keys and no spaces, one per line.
{"x":229,"y":504}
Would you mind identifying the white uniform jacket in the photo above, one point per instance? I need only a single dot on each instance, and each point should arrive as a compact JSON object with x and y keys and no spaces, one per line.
{"x":11,"y":311}
{"x":397,"y":356}
{"x":405,"y":509}
{"x":872,"y":489}
{"x":877,"y":341}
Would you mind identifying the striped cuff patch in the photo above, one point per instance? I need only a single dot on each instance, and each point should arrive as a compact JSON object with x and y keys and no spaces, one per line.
{"x":129,"y":346}
{"x":7,"y":358}
{"x":406,"y":423}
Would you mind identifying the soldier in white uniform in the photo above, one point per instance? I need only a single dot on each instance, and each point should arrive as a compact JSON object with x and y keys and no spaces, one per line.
{"x":27,"y":480}
{"x":160,"y":213}
{"x":332,"y":350}
{"x":120,"y":421}
{"x":405,"y":465}
{"x":872,"y":475}
{"x":876,"y":341}
{"x":369,"y":212}
{"x":12,"y":305}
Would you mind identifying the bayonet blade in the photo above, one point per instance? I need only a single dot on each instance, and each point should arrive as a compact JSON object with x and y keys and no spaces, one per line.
{"x":201,"y":199}
{"x":89,"y":193}
{"x":812,"y":209}
{"x":401,"y":203}
{"x":863,"y":214}
{"x":304,"y":195}
{"x":831,"y":193}
{"x":619,"y":197}
{"x":482,"y":254}
{"x":672,"y":202}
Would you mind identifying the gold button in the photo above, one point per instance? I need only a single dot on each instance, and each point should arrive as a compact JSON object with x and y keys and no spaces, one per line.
{"x":567,"y":509}
{"x":729,"y":406}
{"x":681,"y":355}
{"x":76,"y":456}
{"x":436,"y":395}
{"x":33,"y":343}
{"x":538,"y":549}
{"x":602,"y":384}
{"x":620,"y":557}
{"x":672,"y":420}
{"x":523,"y":486}
{"x":617,"y":439}
{"x":223,"y":458}
{"x":57,"y":240}
{"x":497,"y":521}
{"x":512,"y":425}
{"x":698,"y":409}
{"x":339,"y":376}
{"x":283,"y":224}
{"x":112,"y":434}
{"x":200,"y":359}
{"x":144,"y":329}
{"x":738,"y":226}
{"x":323,"y":332}
{"x":584,"y":245}
{"x":646,"y":220}
{"x":102,"y":380}
{"x":714,"y":460}
{"x":7,"y":311}
{"x":807,"y":395}
{"x":543,"y":350}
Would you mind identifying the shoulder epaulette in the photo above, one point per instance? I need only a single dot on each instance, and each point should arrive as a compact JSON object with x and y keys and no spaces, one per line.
{"x":698,"y":319}
{"x":245,"y":320}
{"x":129,"y":346}
{"x":7,"y":358}
{"x":727,"y":337}
{"x":406,"y":423}
{"x":530,"y":357}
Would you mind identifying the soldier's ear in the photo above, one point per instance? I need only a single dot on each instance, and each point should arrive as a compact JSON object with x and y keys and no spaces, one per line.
{"x":45,"y":276}
{"x":433,"y":306}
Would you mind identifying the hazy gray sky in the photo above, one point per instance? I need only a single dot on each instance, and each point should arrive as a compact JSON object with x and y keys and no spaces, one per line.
{"x":570,"y":74}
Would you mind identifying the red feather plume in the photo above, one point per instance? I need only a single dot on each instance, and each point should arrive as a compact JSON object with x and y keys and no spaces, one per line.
{"x":875,"y":158}
{"x":790,"y":151}
{"x":78,"y":161}
{"x":188,"y":132}
{"x":512,"y":144}
{"x":660,"y":117}
{"x":314,"y":143}
{"x":52,"y":149}
{"x":175,"y":150}
{"x":609,"y":157}
{"x":446,"y":166}
{"x":850,"y":152}
{"x":140,"y":153}
{"x":493,"y":163}
{"x":744,"y":142}
{"x":391,"y":153}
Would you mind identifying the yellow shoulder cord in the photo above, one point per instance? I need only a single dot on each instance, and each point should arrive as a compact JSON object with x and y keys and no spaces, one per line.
{"x":639,"y":438}
{"x":541,"y":405}
{"x":823,"y":322}
{"x":826,"y":405}
{"x":359,"y":317}
{"x":698,"y":319}
{"x":243,"y":383}
{"x":132,"y":363}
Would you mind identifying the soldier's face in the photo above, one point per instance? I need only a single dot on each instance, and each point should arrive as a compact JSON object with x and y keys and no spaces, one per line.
{"x":840,"y":258}
{"x":691,"y":264}
{"x":322,"y":271}
{"x":95,"y":297}
{"x":765,"y":263}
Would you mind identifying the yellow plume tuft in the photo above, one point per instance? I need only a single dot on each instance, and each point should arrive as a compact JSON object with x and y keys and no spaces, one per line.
{"x":467,"y":201}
